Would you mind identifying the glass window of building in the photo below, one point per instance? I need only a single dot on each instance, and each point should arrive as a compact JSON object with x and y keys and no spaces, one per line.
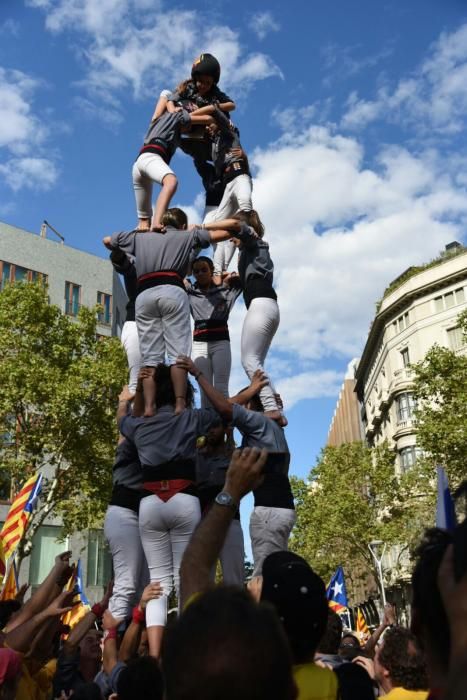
{"x":99,"y":571}
{"x":439,"y":306}
{"x":455,"y":339}
{"x":46,"y":546}
{"x":449,"y":300}
{"x":405,"y":404}
{"x":408,"y":456}
{"x":460,"y":295}
{"x":72,"y":298}
{"x":105,"y":314}
{"x":405,"y":357}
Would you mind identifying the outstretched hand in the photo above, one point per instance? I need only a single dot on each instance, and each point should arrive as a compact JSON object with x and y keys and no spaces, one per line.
{"x":245,"y":472}
{"x":187,"y":363}
{"x":126,"y":394}
{"x":151,"y":592}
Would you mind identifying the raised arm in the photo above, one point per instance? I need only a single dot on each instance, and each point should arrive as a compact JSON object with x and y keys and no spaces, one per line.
{"x":21,"y":636}
{"x":218,"y":400}
{"x":258,"y":380}
{"x":124,"y":400}
{"x":244,"y":474}
{"x":132,"y":637}
{"x":47,"y":591}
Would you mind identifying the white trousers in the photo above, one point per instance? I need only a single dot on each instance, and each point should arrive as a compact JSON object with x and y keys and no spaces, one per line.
{"x":148,"y":168}
{"x":270,"y":530}
{"x":130,"y":342}
{"x":237,"y":197}
{"x":232,"y":556}
{"x":166,"y":529}
{"x":121,"y":530}
{"x":259,"y":327}
{"x":214,"y":359}
{"x":163,"y":321}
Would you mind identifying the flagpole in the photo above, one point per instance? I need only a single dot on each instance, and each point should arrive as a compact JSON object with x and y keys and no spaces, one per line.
{"x":379,"y":565}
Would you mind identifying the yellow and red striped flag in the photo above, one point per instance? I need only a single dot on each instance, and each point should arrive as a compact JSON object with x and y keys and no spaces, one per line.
{"x":2,"y":562}
{"x":10,"y":589}
{"x":80,"y":602}
{"x":19,"y":514}
{"x":363,"y":633}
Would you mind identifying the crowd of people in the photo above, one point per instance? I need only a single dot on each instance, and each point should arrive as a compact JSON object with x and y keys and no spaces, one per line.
{"x":178,"y":482}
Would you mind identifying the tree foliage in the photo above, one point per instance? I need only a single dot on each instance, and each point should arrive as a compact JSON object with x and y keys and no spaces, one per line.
{"x":352,"y":498}
{"x":440,"y":384}
{"x":57,"y":404}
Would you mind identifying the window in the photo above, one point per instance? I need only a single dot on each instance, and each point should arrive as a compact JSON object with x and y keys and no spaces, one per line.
{"x":408,"y":456}
{"x":16,"y":273}
{"x":455,"y":338}
{"x":72,"y":298}
{"x":46,"y":546}
{"x":99,"y":570}
{"x":405,"y":357}
{"x":450,"y":299}
{"x":405,"y":404}
{"x":401,"y":323}
{"x":105,"y":315}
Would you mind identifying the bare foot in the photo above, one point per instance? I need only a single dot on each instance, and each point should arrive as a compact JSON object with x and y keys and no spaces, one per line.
{"x":143,"y":225}
{"x":180,"y":405}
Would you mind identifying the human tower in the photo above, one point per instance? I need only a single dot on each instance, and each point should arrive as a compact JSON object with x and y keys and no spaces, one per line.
{"x":171,"y":461}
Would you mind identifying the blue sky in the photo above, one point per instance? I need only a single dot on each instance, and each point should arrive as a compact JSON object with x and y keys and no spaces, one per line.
{"x":353,"y":115}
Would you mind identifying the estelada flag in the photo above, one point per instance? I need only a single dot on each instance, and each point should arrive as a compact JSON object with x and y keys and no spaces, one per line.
{"x":19,"y":514}
{"x":80,"y":602}
{"x":10,"y":589}
{"x":337,"y":593}
{"x":363,"y":633}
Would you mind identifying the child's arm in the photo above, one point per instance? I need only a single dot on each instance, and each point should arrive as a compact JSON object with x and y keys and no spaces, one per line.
{"x":163,"y":105}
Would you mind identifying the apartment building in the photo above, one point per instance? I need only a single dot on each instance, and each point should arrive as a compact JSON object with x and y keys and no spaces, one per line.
{"x":74,"y":278}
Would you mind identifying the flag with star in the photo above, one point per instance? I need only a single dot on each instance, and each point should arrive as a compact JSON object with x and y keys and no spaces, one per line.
{"x":19,"y":514}
{"x":337,"y":592}
{"x":80,"y":602}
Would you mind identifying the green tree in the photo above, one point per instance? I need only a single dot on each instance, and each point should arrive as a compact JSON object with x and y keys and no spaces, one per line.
{"x":353,"y":497}
{"x":440,"y":384}
{"x":57,"y":405}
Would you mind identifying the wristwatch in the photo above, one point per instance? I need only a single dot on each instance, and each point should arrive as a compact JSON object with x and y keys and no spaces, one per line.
{"x":225,"y":499}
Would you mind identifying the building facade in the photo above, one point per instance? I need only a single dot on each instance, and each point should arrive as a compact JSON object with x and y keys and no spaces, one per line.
{"x":346,"y":425}
{"x":418,"y":313}
{"x":74,"y":279}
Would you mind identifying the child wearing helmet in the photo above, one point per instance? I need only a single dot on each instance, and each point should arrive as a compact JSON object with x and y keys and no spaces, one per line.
{"x":202,"y":90}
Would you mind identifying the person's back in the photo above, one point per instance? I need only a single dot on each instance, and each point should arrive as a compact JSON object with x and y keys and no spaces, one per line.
{"x":314,"y":682}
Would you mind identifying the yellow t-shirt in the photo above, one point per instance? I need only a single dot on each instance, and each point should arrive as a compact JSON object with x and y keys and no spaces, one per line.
{"x":314,"y":682}
{"x":403,"y":694}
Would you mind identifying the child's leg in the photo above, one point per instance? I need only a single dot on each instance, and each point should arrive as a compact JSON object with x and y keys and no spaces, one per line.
{"x":142,"y":186}
{"x":242,"y":188}
{"x":221,"y":358}
{"x":179,"y":381}
{"x":259,"y":327}
{"x":169,"y":187}
{"x":175,"y":310}
{"x":151,"y":340}
{"x":202,"y":360}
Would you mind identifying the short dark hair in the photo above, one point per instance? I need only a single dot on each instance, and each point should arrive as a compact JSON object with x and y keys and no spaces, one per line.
{"x":331,"y":639}
{"x":428,"y":608}
{"x":205,"y":259}
{"x":165,"y":393}
{"x":175,"y":217}
{"x":224,"y":645}
{"x":402,"y":657}
{"x":142,"y":678}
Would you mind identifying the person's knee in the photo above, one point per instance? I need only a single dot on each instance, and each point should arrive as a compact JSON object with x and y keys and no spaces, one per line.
{"x":170,"y":182}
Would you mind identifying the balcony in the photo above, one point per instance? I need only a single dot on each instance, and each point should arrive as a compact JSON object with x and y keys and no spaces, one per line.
{"x":404,"y":427}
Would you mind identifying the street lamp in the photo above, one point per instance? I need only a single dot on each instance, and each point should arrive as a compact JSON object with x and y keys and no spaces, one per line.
{"x":373,"y":547}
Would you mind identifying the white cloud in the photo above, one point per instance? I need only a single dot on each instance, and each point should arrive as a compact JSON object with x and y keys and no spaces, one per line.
{"x":433,"y":98}
{"x":263,"y":23}
{"x":339,"y":232}
{"x":141,"y":46}
{"x":22,"y":132}
{"x":10,"y":26}
{"x":39,"y":173}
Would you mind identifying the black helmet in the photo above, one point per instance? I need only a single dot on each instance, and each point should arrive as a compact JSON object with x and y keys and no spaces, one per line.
{"x":206,"y":64}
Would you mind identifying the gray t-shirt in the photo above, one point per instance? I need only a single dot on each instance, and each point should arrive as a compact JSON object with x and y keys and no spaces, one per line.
{"x":166,"y":129}
{"x":254,"y":260}
{"x":216,"y":303}
{"x":155,"y":252}
{"x":166,"y":437}
{"x":127,"y":468}
{"x":260,"y":431}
